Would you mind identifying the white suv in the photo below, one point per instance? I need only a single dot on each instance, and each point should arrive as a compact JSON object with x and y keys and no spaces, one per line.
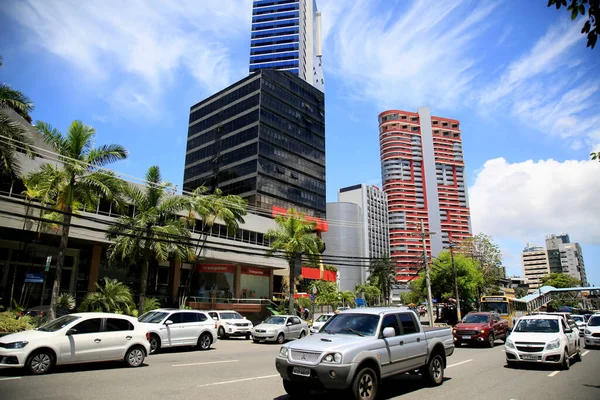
{"x":170,"y":327}
{"x":76,"y":338}
{"x":231,"y":323}
{"x":542,"y":339}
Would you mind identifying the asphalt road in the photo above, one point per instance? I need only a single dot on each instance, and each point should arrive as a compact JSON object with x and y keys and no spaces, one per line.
{"x":240,"y":369}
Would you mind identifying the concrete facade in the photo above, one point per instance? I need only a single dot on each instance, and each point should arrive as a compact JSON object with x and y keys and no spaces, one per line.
{"x":534,"y":260}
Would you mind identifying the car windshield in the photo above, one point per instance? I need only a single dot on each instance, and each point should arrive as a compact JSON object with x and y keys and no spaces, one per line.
{"x":537,"y":325}
{"x":495,"y":306}
{"x":275,"y":320}
{"x":594,"y":321}
{"x":352,"y":324}
{"x":323,"y":318}
{"x":231,"y":315}
{"x":153,"y":317}
{"x":578,"y":318}
{"x":475,"y":319}
{"x":58,"y":324}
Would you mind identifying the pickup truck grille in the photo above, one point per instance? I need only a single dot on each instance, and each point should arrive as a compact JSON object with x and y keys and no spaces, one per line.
{"x":533,"y":347}
{"x":467,"y":332}
{"x":305,"y":356}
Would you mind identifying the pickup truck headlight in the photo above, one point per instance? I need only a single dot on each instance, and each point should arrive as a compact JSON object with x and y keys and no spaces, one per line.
{"x":283,"y":352}
{"x":15,"y":345}
{"x":333,"y":358}
{"x":509,"y":344}
{"x":555,"y":344}
{"x":587,"y":332}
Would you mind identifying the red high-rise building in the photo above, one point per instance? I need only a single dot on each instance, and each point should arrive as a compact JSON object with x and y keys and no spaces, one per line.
{"x":423,"y":174}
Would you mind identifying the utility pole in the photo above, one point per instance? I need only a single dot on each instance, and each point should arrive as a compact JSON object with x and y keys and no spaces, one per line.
{"x":458,"y":315}
{"x":425,"y":235}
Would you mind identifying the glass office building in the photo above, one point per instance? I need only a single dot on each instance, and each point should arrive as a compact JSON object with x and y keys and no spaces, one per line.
{"x":262,"y":138}
{"x":286,"y":35}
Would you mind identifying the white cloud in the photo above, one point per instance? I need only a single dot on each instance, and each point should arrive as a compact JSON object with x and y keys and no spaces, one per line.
{"x":133,"y":50}
{"x":526,"y":201}
{"x":411,"y":58}
{"x":544,"y":89}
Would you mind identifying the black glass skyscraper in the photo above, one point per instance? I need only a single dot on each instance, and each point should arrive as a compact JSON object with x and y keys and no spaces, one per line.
{"x":262,"y":138}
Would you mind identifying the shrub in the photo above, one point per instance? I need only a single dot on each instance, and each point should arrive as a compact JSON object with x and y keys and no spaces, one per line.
{"x":151,"y":304}
{"x":66,"y":301}
{"x":10,"y":324}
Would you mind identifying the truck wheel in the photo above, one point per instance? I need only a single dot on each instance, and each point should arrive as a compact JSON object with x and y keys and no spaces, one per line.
{"x":491,"y":340}
{"x":566,"y":364}
{"x":365,"y":384}
{"x":434,"y":370}
{"x":295,"y":389}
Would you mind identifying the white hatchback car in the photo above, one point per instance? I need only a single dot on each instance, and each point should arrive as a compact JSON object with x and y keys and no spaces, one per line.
{"x":231,"y":323}
{"x":76,"y":338}
{"x":592,"y":331}
{"x":171,"y":327}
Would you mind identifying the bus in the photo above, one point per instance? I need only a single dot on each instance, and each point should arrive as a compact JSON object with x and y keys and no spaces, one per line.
{"x":507,"y":307}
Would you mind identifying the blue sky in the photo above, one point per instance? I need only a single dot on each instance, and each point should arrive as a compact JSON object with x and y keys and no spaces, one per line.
{"x":519,"y":78}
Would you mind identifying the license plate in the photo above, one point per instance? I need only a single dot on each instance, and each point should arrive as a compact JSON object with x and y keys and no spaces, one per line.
{"x":529,"y":357}
{"x":466,"y":337}
{"x":301,"y":371}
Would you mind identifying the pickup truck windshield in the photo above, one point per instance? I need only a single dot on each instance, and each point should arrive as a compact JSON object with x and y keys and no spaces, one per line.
{"x":352,"y":324}
{"x":537,"y":325}
{"x":475,"y":319}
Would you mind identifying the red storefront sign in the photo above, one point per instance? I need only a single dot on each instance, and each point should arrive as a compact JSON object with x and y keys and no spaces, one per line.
{"x":255,"y":271}
{"x":311,"y":273}
{"x":330,"y":276}
{"x":216,"y":268}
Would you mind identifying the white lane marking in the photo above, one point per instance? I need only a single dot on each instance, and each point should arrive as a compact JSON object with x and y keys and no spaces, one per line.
{"x":458,"y":363}
{"x":584,"y":353}
{"x":204,"y":363}
{"x":11,"y":378}
{"x":239,"y":380}
{"x":554,"y":373}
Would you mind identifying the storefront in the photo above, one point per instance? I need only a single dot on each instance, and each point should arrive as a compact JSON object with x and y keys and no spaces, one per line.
{"x":213,"y":281}
{"x":254,"y":283}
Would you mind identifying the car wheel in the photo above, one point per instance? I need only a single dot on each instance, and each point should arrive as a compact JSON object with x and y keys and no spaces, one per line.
{"x":256,"y":340}
{"x":280,"y":338}
{"x":577,"y":356}
{"x":566,"y":364}
{"x":296,"y":390}
{"x":491,"y":340}
{"x":154,"y":343}
{"x":248,"y":336}
{"x":365,"y":384}
{"x":222,"y":334}
{"x":135,"y":356}
{"x":204,"y":341}
{"x":302,"y":334}
{"x":434,"y":370}
{"x":40,"y":362}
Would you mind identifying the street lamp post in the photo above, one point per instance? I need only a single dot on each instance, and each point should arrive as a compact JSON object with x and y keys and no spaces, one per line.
{"x":428,"y":279}
{"x":458,"y":315}
{"x":314,"y":301}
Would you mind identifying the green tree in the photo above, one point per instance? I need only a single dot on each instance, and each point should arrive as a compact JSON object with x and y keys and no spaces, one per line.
{"x":595,"y":155}
{"x":155,"y":231}
{"x":520,"y":292}
{"x":78,"y":179}
{"x":114,"y":297}
{"x":370,"y":292}
{"x":469,"y":278}
{"x":13,"y":135}
{"x":415,"y":295}
{"x":382,"y":273}
{"x":295,"y":237}
{"x":348,"y":298}
{"x":560,"y":280}
{"x":576,"y":7}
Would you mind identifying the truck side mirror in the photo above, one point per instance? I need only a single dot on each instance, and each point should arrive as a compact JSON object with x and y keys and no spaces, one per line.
{"x":389,"y":332}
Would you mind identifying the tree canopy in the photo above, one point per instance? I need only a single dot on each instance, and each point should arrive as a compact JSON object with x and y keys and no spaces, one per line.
{"x":577,"y":7}
{"x":488,"y":258}
{"x":560,"y":280}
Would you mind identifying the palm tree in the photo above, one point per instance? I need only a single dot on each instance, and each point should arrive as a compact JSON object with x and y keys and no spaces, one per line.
{"x":295,"y":237}
{"x":13,"y":135}
{"x":77,"y":180}
{"x":230,"y":209}
{"x":114,"y":296}
{"x":154,"y":231}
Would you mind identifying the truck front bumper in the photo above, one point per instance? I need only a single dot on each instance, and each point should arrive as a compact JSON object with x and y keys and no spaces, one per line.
{"x":327,"y":376}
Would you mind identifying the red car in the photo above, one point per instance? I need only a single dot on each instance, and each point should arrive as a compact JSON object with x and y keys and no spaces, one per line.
{"x":480,"y":327}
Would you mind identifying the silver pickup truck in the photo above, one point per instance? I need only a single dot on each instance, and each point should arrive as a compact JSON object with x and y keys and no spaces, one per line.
{"x":355,"y":349}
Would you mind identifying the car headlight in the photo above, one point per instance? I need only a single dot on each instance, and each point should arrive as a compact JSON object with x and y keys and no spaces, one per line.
{"x":453,"y":330}
{"x":509,"y":344}
{"x":283,"y":352}
{"x":555,"y":344}
{"x":15,"y":345}
{"x":333,"y":358}
{"x":482,"y":330}
{"x":587,"y":332}
{"x":228,"y":323}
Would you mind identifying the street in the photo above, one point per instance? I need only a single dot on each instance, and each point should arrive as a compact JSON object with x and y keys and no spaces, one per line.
{"x":240,"y":369}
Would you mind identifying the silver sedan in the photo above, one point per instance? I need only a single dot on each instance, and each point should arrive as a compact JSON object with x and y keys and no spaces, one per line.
{"x":279,"y":328}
